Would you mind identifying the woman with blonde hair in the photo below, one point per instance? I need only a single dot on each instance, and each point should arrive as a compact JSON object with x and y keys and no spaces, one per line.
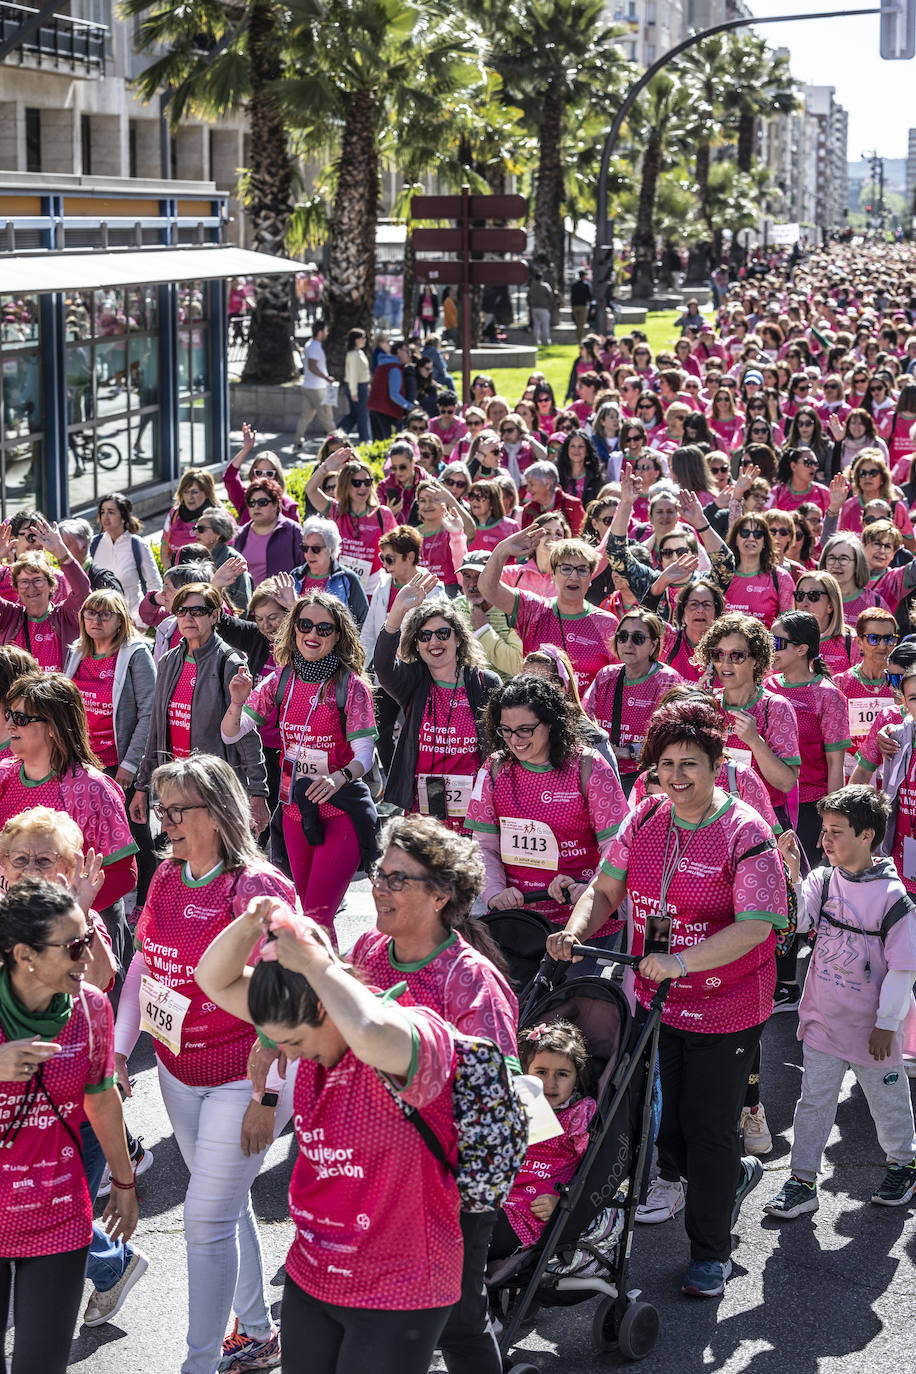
{"x":871,"y":481}
{"x":112,"y":666}
{"x":320,"y":702}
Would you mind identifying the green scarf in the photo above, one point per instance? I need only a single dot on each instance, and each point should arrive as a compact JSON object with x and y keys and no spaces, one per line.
{"x":20,"y":1024}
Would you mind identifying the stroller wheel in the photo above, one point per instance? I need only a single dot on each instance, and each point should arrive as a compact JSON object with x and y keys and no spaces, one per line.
{"x":638,"y":1331}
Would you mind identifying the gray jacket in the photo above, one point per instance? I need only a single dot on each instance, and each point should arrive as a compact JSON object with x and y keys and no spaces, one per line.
{"x":131,"y":697}
{"x":217,"y":664}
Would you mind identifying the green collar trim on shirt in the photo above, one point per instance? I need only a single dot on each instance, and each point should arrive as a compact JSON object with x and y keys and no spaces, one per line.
{"x":793,"y":492}
{"x":781,"y":679}
{"x":420,"y":963}
{"x":700,"y":825}
{"x":448,"y":686}
{"x":428,"y":533}
{"x":536,"y":767}
{"x":487,"y":524}
{"x":758,"y":573}
{"x":730,"y":706}
{"x":34,"y":782}
{"x":867,"y":681}
{"x":200,"y":882}
{"x":577,"y":615}
{"x":855,"y":596}
{"x":39,"y":619}
{"x":635,"y":681}
{"x":101,"y":656}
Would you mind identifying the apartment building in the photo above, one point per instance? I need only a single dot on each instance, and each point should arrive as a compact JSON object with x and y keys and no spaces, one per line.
{"x":654,"y":26}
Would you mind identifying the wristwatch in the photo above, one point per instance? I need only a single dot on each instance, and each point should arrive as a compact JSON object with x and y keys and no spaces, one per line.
{"x":346,"y":773}
{"x":266,"y":1099}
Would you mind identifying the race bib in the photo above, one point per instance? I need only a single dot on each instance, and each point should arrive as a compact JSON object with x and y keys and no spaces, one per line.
{"x":458,"y":788}
{"x":909,"y":858}
{"x":361,"y":566}
{"x":742,"y":756}
{"x":528,"y":844}
{"x":862,"y":712}
{"x":307,"y":763}
{"x":162,"y":1012}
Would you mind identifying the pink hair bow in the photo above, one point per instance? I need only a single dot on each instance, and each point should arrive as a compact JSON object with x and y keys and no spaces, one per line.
{"x":534,"y":1034}
{"x":552,"y":652}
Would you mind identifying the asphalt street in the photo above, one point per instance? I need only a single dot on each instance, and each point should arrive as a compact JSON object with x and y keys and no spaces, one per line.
{"x":836,"y":1291}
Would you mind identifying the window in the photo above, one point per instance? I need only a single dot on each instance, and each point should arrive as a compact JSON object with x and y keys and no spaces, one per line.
{"x":132,"y":147}
{"x":86,"y":143}
{"x":21,"y":418}
{"x":194,"y":381}
{"x":33,"y":140}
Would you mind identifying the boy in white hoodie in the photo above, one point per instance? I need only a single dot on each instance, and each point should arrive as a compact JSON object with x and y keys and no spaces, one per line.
{"x":857,"y":994}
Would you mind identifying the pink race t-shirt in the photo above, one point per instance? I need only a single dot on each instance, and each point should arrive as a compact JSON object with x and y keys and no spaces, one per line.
{"x":94,"y":801}
{"x":638,"y":701}
{"x":95,"y":680}
{"x":376,"y":1214}
{"x":41,"y":640}
{"x":455,"y":980}
{"x":763,"y":594}
{"x":777,"y":727}
{"x":865,"y":697}
{"x":823,"y":727}
{"x":449,"y":749}
{"x":450,"y":437}
{"x":180,"y":710}
{"x":851,"y":516}
{"x":180,"y":920}
{"x":359,"y":537}
{"x":677,"y":652}
{"x":547,"y":1164}
{"x":256,"y":555}
{"x":588,"y":636}
{"x":437,"y":556}
{"x":723,"y":875}
{"x":43,"y":1193}
{"x":783,"y":498}
{"x":491,"y":534}
{"x":869,"y":754}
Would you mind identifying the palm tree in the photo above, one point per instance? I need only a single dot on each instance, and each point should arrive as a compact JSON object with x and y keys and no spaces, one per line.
{"x":706,"y":71}
{"x":359,"y":64}
{"x":761,"y":86}
{"x":553,"y":57}
{"x":219,"y":59}
{"x":664,"y":122}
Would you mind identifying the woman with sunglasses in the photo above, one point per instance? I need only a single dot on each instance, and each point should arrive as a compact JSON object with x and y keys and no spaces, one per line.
{"x":865,"y":685}
{"x":215,"y":529}
{"x":270,"y":542}
{"x":879,"y":402}
{"x":757,"y":429}
{"x":358,"y":514}
{"x":323,"y":571}
{"x":213,"y":871}
{"x":445,"y":528}
{"x":545,"y":410}
{"x":544,"y":805}
{"x":428,"y":661}
{"x":725,"y":421}
{"x":624,"y":695}
{"x":113,"y":668}
{"x":795,"y":480}
{"x":51,"y":763}
{"x":803,"y":678}
{"x":55,"y":1047}
{"x":782,"y":529}
{"x":650,"y":410}
{"x":871,"y":481}
{"x":430,"y":453}
{"x":759,"y":587}
{"x":486,"y":506}
{"x":519,"y":449}
{"x":265,"y":467}
{"x":476,"y":420}
{"x":818,"y":593}
{"x":448,"y":426}
{"x":805,"y":432}
{"x":196,"y":490}
{"x":606,"y":427}
{"x":192,"y":694}
{"x":797,"y":393}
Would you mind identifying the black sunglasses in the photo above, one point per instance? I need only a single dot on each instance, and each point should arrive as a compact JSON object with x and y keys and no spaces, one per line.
{"x":441,"y":632}
{"x":258,"y":501}
{"x":323,"y":628}
{"x":75,"y":947}
{"x":20,"y":718}
{"x":360,"y":481}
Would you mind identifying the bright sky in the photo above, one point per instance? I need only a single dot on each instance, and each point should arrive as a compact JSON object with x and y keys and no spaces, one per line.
{"x":844,"y":53}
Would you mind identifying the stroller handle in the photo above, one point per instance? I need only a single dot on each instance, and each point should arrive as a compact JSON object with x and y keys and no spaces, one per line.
{"x":539,"y":894}
{"x":607,"y":956}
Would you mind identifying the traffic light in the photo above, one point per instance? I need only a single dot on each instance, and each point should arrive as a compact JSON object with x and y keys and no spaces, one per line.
{"x":898,"y":30}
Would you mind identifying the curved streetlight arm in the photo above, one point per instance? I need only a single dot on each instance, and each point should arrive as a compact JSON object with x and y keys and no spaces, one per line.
{"x":604,"y":242}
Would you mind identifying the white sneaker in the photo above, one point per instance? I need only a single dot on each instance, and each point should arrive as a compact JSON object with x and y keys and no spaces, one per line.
{"x":664,"y":1201}
{"x":756,"y":1132}
{"x":102,"y":1307}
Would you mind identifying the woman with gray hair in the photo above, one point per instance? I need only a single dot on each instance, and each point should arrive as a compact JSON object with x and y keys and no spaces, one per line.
{"x":843,"y":555}
{"x":214,"y":529}
{"x":542,"y":481}
{"x":427,"y":659}
{"x":213,"y":871}
{"x":322,"y":570}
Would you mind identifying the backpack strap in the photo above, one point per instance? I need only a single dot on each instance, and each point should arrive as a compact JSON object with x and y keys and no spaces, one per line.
{"x":94,"y":543}
{"x":586,"y":766}
{"x":847,"y":640}
{"x":902,"y":907}
{"x":340,"y":694}
{"x":775,"y":586}
{"x":676,"y":647}
{"x":136,"y":546}
{"x":732,"y":771}
{"x":617,"y":708}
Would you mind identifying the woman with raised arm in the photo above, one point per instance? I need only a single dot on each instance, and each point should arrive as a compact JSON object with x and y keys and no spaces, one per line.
{"x":265,"y":465}
{"x":357,"y":513}
{"x":34,"y":622}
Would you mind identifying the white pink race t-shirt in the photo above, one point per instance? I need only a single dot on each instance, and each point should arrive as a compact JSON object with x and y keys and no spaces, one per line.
{"x":588,"y":637}
{"x":546,"y":1165}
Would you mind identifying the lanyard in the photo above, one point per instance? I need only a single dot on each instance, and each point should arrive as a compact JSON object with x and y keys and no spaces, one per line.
{"x":305,"y":724}
{"x":448,"y":724}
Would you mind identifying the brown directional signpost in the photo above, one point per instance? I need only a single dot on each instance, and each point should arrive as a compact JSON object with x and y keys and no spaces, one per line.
{"x":464,"y":269}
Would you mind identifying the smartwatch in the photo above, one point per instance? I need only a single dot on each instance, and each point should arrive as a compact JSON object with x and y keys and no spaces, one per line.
{"x":266,"y":1099}
{"x":346,"y":773}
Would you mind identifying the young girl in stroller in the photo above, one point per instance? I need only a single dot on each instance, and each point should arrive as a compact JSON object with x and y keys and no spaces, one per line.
{"x":558,"y":1056}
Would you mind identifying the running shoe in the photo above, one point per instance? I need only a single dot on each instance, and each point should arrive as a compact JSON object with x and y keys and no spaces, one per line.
{"x":140,"y":1158}
{"x":898,"y":1186}
{"x":786,"y":997}
{"x":706,"y":1278}
{"x":794,"y":1197}
{"x":756,"y":1132}
{"x":102,"y":1307}
{"x":750,"y":1175}
{"x":242,"y":1352}
{"x":663,"y":1201}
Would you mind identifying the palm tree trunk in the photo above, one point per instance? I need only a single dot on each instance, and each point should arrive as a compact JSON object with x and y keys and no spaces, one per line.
{"x":702,"y":176}
{"x":349,"y":294}
{"x":268,"y":203}
{"x":548,"y":216}
{"x":644,"y":232}
{"x":746,"y":130}
{"x":408,"y":310}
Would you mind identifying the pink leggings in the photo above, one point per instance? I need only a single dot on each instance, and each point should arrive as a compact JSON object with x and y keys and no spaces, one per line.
{"x":321,"y":873}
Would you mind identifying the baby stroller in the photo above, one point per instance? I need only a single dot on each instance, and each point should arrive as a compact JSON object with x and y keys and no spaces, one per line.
{"x":584,"y":1249}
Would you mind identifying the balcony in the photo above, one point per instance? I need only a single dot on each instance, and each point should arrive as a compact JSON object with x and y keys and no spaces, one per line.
{"x":56,"y":43}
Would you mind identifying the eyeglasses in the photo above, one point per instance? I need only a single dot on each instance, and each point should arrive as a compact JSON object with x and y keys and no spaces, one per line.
{"x":507,"y":733}
{"x":392,"y":879}
{"x":631,"y":637}
{"x":573,"y":569}
{"x":204,"y":529}
{"x":21,"y":719}
{"x":45,"y":863}
{"x":814,"y":597}
{"x":442,"y":633}
{"x":174,"y":815}
{"x":400,"y":470}
{"x":76,"y":948}
{"x":876,"y":544}
{"x":780,"y":643}
{"x":323,"y":628}
{"x":805,"y":420}
{"x":750,"y":532}
{"x":869,"y":472}
{"x":839,"y":559}
{"x":729,"y":655}
{"x":360,"y":481}
{"x":198,"y":612}
{"x":388,"y":559}
{"x":808,"y":462}
{"x":446,"y":410}
{"x":459,"y":482}
{"x":874,"y":640}
{"x":802,"y":386}
{"x":675,"y":553}
{"x":645,"y":405}
{"x":258,"y":501}
{"x":781,"y":533}
{"x":894,"y":680}
{"x":269,"y":473}
{"x":98,"y":615}
{"x":875,"y":389}
{"x":476,"y":424}
{"x":315,"y":548}
{"x":31,"y":584}
{"x":635,"y":439}
{"x":760,"y":429}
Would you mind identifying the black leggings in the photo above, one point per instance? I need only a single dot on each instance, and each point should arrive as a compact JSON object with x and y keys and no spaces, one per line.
{"x":321,"y":1338}
{"x":46,"y":1304}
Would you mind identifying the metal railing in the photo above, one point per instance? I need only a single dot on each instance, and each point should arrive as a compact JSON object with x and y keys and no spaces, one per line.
{"x":59,"y":40}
